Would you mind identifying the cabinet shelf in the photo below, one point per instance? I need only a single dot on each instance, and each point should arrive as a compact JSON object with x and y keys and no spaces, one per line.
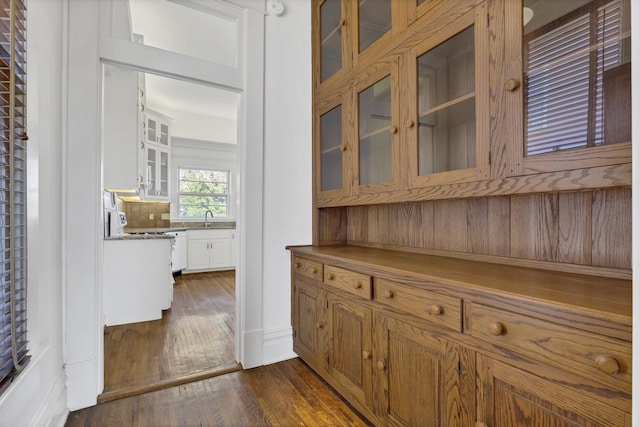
{"x":332,"y":149}
{"x":447,"y":104}
{"x":375,"y":132}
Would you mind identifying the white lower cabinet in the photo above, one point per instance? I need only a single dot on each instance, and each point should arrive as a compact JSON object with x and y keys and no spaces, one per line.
{"x":210,"y":250}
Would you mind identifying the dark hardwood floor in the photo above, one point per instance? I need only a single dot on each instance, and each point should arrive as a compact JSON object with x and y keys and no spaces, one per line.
{"x":180,"y":371}
{"x":193,"y":340}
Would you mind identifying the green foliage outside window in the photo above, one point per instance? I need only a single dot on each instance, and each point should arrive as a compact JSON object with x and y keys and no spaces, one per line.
{"x":200,"y":190}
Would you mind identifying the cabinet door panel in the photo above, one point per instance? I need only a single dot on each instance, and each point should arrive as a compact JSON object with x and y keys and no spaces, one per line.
{"x":198,"y":254}
{"x":417,"y":376}
{"x":509,"y":397}
{"x":220,"y":253}
{"x":309,"y":322}
{"x":350,"y":341}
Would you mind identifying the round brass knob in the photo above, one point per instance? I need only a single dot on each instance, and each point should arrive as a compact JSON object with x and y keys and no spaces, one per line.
{"x":381,"y":365}
{"x":366,"y":355}
{"x":436,"y":309}
{"x":511,"y":85}
{"x":496,"y":328}
{"x":393,"y":129}
{"x":607,"y":364}
{"x":388,"y":293}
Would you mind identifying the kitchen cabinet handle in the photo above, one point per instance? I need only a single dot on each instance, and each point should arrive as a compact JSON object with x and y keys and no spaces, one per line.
{"x":319,"y":325}
{"x":409,"y":123}
{"x":331,"y":276}
{"x":298,"y":264}
{"x":358,"y":285}
{"x":393,"y":129}
{"x":511,"y":85}
{"x":388,"y":293}
{"x":436,"y":309}
{"x":366,"y":355}
{"x":496,"y":328}
{"x":314,"y":270}
{"x":381,"y":365}
{"x":607,"y":364}
{"x":343,"y":147}
{"x":343,"y":22}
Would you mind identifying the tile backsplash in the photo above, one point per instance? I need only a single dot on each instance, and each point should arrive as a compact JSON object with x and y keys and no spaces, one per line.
{"x":147,"y":214}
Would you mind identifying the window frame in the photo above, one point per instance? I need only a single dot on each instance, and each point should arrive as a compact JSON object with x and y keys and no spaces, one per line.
{"x":227,"y":195}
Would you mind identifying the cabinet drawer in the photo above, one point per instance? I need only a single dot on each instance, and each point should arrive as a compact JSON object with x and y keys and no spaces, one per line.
{"x":350,"y":281}
{"x":308,"y":268}
{"x":595,"y":356}
{"x":443,"y":310}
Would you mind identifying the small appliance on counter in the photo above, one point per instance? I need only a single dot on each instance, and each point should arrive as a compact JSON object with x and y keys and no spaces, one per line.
{"x":114,"y":220}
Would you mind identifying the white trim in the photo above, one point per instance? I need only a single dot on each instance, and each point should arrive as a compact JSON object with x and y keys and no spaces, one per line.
{"x":278,"y":345}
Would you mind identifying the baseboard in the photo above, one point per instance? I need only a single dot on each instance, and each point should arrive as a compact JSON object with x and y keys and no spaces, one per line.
{"x":277,"y":345}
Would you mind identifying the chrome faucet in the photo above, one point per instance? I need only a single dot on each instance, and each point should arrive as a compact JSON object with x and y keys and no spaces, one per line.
{"x":205,"y":217}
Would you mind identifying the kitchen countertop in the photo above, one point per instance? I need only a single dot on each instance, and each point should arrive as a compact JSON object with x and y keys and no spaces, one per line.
{"x":141,"y":236}
{"x":159,"y":233}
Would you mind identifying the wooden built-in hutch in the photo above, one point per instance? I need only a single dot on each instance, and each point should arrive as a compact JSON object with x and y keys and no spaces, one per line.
{"x":471,"y":257}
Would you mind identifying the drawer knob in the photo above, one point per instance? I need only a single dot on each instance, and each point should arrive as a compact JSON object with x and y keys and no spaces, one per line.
{"x":298,"y":264}
{"x":319,"y":325}
{"x":314,"y":270}
{"x":366,"y":355}
{"x":496,"y":328}
{"x":393,"y":129}
{"x":607,"y":364}
{"x":358,"y":285}
{"x":388,"y":293}
{"x":381,"y":365}
{"x":436,"y":309}
{"x":331,"y":276}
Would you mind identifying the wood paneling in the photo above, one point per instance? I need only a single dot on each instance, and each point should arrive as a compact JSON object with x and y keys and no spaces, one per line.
{"x":590,"y":228}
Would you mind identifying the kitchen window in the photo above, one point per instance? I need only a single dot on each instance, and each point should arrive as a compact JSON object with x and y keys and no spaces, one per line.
{"x":202,"y":190}
{"x":13,"y":192}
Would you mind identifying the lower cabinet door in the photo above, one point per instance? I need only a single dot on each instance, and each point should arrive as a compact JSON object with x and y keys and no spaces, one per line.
{"x":309,"y":322}
{"x":418,"y":377}
{"x":198,"y":254}
{"x":350,"y":349}
{"x":511,"y":397}
{"x":220,"y":253}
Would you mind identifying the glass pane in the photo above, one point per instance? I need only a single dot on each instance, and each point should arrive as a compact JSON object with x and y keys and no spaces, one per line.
{"x":196,"y":206}
{"x":446,"y":106}
{"x":577,"y":74}
{"x":164,"y":134}
{"x":374,"y":20}
{"x":164,"y":173}
{"x":151,"y":171}
{"x":331,"y":143}
{"x":330,"y":38}
{"x":374,"y":106}
{"x":178,"y":27}
{"x":151,"y":130}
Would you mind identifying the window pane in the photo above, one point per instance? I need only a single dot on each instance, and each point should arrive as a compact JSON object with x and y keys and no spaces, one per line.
{"x":200,"y":190}
{"x":577,"y":75}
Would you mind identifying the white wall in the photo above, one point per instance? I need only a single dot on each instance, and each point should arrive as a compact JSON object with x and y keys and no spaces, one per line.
{"x":38,"y":396}
{"x":195,"y":126}
{"x":287,"y":165}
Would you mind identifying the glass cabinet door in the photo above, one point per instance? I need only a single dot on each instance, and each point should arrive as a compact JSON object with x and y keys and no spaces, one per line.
{"x":331,"y":150}
{"x":152,"y":130}
{"x":450,"y":143}
{"x":331,"y":26}
{"x":577,"y":80}
{"x":446,"y":106}
{"x":374,"y":21}
{"x":151,"y":172}
{"x":375,"y":133}
{"x":163,"y":136}
{"x":163,"y":173}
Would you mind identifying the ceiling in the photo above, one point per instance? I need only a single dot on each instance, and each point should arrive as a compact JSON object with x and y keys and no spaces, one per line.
{"x":172,"y":26}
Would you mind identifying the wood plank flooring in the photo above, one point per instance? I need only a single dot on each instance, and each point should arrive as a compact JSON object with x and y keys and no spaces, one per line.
{"x":288,"y":393}
{"x":193,"y":340}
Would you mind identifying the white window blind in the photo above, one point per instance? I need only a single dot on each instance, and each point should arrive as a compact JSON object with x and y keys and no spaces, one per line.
{"x":564,"y":70}
{"x":13,"y":162}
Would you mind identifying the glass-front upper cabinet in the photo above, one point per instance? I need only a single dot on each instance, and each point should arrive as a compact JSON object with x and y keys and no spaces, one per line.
{"x":377,"y":131}
{"x":447,"y":126}
{"x":576,"y":83}
{"x":331,"y":30}
{"x":374,"y":21}
{"x":332,"y":155}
